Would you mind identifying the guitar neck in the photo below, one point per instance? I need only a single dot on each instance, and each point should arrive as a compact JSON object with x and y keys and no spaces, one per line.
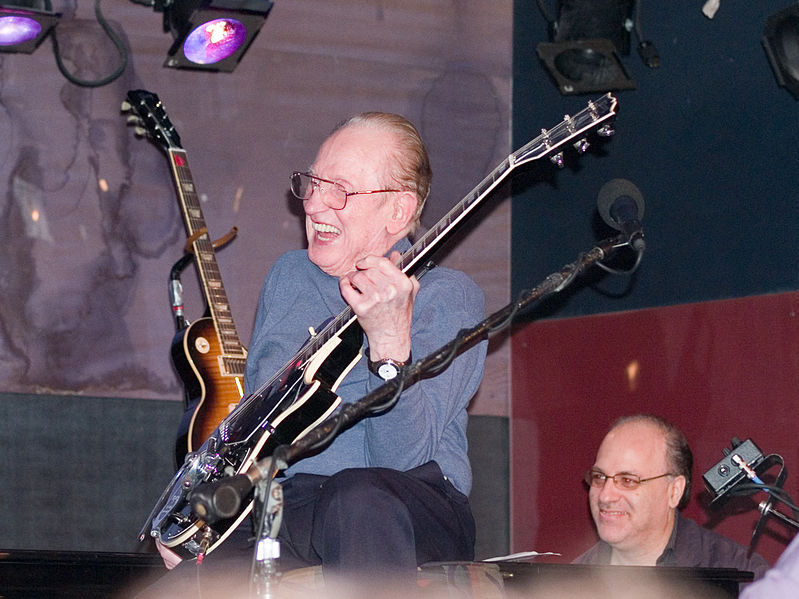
{"x":436,"y":234}
{"x":204,"y":255}
{"x":548,"y":143}
{"x":544,"y":144}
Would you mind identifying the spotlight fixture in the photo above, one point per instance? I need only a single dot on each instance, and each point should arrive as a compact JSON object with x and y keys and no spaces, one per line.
{"x":781,"y":41}
{"x":24,"y":24}
{"x":212,"y":35}
{"x":585,"y":41}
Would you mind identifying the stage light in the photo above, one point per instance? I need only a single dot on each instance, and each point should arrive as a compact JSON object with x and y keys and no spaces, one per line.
{"x":24,"y":24}
{"x":586,"y":39}
{"x":212,"y":34}
{"x":781,"y":41}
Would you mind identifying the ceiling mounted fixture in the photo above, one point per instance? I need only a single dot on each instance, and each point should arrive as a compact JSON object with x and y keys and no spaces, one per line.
{"x":212,"y":35}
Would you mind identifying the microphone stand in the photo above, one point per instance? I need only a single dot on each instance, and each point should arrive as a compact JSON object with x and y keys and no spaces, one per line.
{"x":268,"y":515}
{"x":767,"y":509}
{"x":723,"y":480}
{"x":384,"y":397}
{"x":775,"y":493}
{"x":262,"y":472}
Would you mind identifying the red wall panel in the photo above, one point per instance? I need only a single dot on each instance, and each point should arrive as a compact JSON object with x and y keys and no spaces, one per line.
{"x":717,"y":369}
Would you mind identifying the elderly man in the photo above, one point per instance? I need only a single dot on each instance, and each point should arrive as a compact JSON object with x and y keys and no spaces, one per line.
{"x":641,"y":477}
{"x":391,"y":491}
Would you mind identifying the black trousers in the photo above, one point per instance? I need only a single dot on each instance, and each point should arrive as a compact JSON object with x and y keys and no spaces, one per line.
{"x":374,"y":524}
{"x":375,"y":521}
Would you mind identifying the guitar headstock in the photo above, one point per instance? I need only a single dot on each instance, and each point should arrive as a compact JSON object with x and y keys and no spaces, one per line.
{"x":597,"y":115}
{"x":149,"y":118}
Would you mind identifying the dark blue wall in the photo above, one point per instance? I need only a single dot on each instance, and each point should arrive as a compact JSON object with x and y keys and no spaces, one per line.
{"x":709,"y":138}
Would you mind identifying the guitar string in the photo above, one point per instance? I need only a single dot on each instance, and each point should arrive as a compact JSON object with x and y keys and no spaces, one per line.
{"x":424,"y":245}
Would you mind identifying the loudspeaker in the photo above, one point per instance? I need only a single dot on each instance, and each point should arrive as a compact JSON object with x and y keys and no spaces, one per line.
{"x":591,"y":19}
{"x":781,"y":41}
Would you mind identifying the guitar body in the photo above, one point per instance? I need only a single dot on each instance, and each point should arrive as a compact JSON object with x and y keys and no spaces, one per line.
{"x":213,"y":383}
{"x":277,"y":415}
{"x":303,"y":393}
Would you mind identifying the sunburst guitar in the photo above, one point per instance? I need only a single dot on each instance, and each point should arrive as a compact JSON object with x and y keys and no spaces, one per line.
{"x":208,"y":354}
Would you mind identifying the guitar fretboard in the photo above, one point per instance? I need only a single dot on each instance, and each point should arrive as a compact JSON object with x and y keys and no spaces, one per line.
{"x":547,"y":142}
{"x":205,"y":257}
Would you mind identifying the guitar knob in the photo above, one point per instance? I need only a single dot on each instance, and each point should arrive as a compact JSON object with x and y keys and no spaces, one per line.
{"x":557,"y":159}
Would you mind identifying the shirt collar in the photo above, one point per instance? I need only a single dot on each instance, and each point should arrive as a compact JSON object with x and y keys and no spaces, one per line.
{"x":669,"y":556}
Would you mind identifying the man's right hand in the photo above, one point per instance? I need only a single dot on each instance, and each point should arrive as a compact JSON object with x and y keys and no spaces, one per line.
{"x":382,"y":297}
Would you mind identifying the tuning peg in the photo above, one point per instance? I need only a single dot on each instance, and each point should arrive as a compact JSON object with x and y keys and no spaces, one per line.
{"x":606,"y":130}
{"x":125,"y":106}
{"x":581,"y":145}
{"x":140,"y":131}
{"x":557,"y":159}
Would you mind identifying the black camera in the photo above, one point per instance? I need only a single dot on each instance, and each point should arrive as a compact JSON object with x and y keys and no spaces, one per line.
{"x":730,"y":470}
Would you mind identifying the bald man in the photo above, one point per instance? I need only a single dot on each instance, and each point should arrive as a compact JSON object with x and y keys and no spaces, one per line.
{"x":640,"y":480}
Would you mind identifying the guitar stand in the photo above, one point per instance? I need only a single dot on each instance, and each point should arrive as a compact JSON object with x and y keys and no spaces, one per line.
{"x":175,"y":286}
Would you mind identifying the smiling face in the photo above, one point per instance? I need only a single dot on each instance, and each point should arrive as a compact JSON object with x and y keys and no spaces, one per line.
{"x":357,"y":158}
{"x":636,"y":523}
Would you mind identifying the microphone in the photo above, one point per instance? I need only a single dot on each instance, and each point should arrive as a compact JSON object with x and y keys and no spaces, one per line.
{"x":621,"y":205}
{"x":222,"y":499}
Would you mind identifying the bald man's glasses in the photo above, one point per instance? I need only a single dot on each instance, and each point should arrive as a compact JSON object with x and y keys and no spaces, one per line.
{"x":304,"y":185}
{"x":623,"y":480}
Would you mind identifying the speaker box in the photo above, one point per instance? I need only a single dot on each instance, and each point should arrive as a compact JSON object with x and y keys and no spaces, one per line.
{"x":781,"y":41}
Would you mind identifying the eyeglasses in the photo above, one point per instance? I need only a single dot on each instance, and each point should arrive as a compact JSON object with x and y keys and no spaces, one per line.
{"x":623,"y":480}
{"x":304,"y":185}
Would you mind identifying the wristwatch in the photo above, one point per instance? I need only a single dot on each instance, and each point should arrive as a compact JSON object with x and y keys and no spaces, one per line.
{"x":387,"y":368}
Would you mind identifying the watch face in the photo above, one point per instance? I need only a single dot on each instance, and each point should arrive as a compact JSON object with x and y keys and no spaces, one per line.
{"x":387,"y":371}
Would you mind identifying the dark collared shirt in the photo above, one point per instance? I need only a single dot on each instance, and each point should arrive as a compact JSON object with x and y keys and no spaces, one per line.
{"x":692,"y":546}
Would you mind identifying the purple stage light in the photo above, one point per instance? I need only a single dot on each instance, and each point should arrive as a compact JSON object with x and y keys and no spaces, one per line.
{"x":212,"y":35}
{"x":214,"y":41}
{"x":18,"y":29}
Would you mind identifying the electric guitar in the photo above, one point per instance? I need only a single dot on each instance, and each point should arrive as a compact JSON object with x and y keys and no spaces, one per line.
{"x":302,"y":394}
{"x":207,"y":354}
